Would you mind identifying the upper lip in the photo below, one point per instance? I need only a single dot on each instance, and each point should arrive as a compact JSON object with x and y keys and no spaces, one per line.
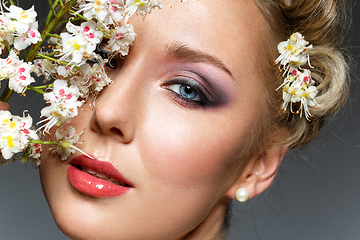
{"x":104,"y":167}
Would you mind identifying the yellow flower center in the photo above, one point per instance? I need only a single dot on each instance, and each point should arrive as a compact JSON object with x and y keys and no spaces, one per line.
{"x":305,"y":95}
{"x":77,"y":46}
{"x":55,"y":113}
{"x":293,"y":37}
{"x":139,"y":3}
{"x":12,"y":125}
{"x":286,"y":88}
{"x":10,"y":142}
{"x":24,"y":15}
{"x":65,"y":144}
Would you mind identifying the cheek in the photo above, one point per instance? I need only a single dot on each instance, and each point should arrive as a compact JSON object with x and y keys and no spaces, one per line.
{"x":52,"y":177}
{"x":188,"y":150}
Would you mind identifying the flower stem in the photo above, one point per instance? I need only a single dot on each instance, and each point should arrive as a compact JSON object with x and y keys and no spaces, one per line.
{"x":45,"y":86}
{"x":53,"y":35}
{"x":56,"y":60}
{"x":50,"y":12}
{"x":35,"y":89}
{"x":71,"y":20}
{"x":80,"y":16}
{"x":52,"y":8}
{"x":6,"y":94}
{"x":42,"y":142}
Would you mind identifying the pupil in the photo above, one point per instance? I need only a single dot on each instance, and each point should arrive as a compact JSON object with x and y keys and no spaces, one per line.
{"x":188,"y":89}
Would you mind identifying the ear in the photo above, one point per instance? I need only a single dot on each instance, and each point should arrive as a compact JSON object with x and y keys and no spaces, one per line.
{"x":260,"y":171}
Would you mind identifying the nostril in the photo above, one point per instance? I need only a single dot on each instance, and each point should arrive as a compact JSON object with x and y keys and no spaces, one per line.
{"x":116,"y":131}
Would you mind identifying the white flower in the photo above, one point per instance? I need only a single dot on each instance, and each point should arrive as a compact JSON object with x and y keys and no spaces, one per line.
{"x":21,"y":27}
{"x":24,"y":40}
{"x":88,"y":30}
{"x":17,"y":71}
{"x":66,"y":71}
{"x":5,"y":119}
{"x":300,"y":89}
{"x":44,"y":67}
{"x":21,"y":77}
{"x":121,"y":39}
{"x":6,"y":37}
{"x":22,"y":17}
{"x":106,"y":11}
{"x":63,"y":106}
{"x":75,"y":49}
{"x":293,"y":52}
{"x":19,"y":19}
{"x":11,"y":143}
{"x":116,"y":11}
{"x":298,"y":86}
{"x":94,"y":77}
{"x":66,"y":140}
{"x":91,"y":79}
{"x":144,"y":7}
{"x":75,"y":77}
{"x":79,"y":44}
{"x":32,"y":154}
{"x":15,"y":133}
{"x":94,"y":9}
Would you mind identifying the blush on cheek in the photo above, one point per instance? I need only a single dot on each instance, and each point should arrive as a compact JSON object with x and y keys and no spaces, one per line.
{"x":185,"y":154}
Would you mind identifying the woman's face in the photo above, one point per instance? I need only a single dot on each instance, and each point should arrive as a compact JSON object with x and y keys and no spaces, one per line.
{"x":173,"y":123}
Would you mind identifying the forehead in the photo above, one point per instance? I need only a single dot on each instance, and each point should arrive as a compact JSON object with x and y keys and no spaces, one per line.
{"x":231,"y":30}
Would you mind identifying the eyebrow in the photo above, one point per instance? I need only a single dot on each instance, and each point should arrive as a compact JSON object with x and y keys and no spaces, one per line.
{"x":185,"y":53}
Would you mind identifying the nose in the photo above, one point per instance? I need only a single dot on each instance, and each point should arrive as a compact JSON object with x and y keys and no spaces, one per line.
{"x":116,"y":110}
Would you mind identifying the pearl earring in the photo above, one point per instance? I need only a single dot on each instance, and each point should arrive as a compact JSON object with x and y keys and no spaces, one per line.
{"x":242,"y":195}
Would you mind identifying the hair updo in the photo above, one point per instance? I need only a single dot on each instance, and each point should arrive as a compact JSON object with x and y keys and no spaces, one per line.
{"x":320,"y":22}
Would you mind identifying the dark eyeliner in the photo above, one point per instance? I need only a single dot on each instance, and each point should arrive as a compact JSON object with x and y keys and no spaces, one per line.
{"x":206,"y":99}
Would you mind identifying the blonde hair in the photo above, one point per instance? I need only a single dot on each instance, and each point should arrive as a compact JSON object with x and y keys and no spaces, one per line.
{"x":320,"y":23}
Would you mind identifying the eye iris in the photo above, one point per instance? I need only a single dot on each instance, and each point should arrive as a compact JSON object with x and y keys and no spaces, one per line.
{"x":188,"y":92}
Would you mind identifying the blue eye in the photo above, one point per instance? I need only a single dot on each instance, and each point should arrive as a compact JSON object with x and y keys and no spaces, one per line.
{"x":189,"y":93}
{"x":186,"y":91}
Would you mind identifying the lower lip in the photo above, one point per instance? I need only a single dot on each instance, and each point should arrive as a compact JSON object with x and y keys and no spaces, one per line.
{"x":93,"y":186}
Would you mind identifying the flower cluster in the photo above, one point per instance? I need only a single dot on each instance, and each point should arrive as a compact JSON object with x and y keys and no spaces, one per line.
{"x":62,"y":104}
{"x":74,"y":61}
{"x":17,"y":72}
{"x":298,"y":86}
{"x":18,"y":27}
{"x":16,"y":136}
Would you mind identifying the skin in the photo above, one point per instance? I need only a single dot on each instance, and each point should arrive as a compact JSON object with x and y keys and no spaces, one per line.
{"x":180,"y":157}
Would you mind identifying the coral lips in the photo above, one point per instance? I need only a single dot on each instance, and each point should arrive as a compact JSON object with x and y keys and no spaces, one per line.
{"x":96,"y":178}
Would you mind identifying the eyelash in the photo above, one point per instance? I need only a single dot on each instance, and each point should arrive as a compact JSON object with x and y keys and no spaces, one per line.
{"x":175,"y":87}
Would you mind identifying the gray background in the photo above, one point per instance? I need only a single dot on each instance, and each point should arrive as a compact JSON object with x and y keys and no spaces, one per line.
{"x":315,"y":195}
